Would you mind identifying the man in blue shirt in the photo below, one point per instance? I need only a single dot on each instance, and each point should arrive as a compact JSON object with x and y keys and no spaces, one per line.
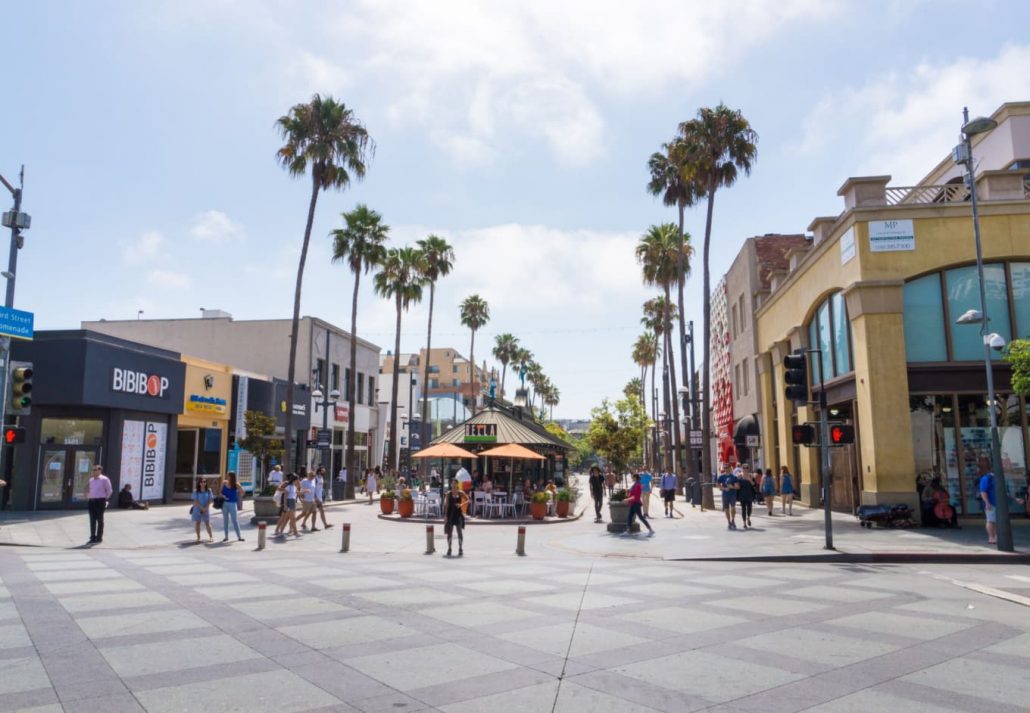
{"x":645,"y":493}
{"x":986,"y":489}
{"x":727,"y":482}
{"x":668,"y":491}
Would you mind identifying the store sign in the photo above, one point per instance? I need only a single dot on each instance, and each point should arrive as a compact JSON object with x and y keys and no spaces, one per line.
{"x":480,"y":433}
{"x":140,"y":383}
{"x":16,"y":323}
{"x":144,"y":445}
{"x":887,"y":236}
{"x":342,"y":413}
{"x":753,"y":441}
{"x":207,"y":404}
{"x":242,"y":397}
{"x":847,"y":246}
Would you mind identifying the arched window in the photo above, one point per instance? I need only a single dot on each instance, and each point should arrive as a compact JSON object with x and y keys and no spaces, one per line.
{"x":830,"y":331}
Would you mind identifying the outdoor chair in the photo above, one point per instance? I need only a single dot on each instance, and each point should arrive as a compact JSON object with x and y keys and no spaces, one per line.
{"x":433,"y":505}
{"x":480,"y":499}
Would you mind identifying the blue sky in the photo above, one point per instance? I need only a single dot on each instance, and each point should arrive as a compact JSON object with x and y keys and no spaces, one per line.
{"x":520,"y":131}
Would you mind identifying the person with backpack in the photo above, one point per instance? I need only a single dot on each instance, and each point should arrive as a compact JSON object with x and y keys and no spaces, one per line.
{"x":986,"y":489}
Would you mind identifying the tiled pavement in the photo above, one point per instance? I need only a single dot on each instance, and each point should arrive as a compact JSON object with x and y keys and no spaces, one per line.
{"x":217,"y":629}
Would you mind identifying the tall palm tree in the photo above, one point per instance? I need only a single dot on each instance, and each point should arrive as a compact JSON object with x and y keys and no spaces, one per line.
{"x":326,"y":135}
{"x":400,"y":277}
{"x":361,"y":244}
{"x":505,"y":347}
{"x":475,"y":312}
{"x":658,"y":254}
{"x":645,"y":353}
{"x":535,"y":377}
{"x":720,"y":143}
{"x":673,"y":180}
{"x":658,"y":315}
{"x":552,"y":399}
{"x":437,"y":261}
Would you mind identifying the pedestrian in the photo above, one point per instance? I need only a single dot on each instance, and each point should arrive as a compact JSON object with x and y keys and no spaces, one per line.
{"x":987,"y":497}
{"x":769,"y":489}
{"x":645,"y":484}
{"x":597,"y":485}
{"x":668,"y":492}
{"x":127,"y":502}
{"x":454,"y":516}
{"x":320,"y":497}
{"x":609,"y":480}
{"x":201,"y":510}
{"x":232,"y":493}
{"x":275,"y":476}
{"x":341,"y":478}
{"x":372,"y":483}
{"x":98,"y":490}
{"x":288,"y":514}
{"x":746,"y":492}
{"x":727,"y":482}
{"x":635,"y":501}
{"x":307,"y":502}
{"x":786,"y":491}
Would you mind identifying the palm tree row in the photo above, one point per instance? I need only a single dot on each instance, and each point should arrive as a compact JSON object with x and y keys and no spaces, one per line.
{"x":508,"y":350}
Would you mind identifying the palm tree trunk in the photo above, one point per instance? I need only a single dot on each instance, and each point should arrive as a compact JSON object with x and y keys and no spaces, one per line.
{"x":292,"y":369}
{"x":654,"y":406}
{"x":678,"y":457}
{"x":666,"y":407}
{"x":706,"y":406}
{"x":472,"y":371}
{"x":683,"y":331}
{"x":424,"y":467}
{"x":352,"y":393}
{"x":392,"y":455}
{"x":504,"y":373}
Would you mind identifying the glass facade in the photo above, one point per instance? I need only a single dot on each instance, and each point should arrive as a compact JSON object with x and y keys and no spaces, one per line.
{"x":830,"y":332}
{"x":924,"y":327}
{"x":1020,"y":272}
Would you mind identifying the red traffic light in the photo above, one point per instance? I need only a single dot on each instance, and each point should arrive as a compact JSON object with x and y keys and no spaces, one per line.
{"x":842,"y":434}
{"x":803,"y":434}
{"x":13,"y":435}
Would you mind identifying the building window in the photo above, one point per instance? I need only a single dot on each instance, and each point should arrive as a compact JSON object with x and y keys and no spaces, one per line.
{"x":454,"y":382}
{"x":434,"y":369}
{"x":346,"y":386}
{"x":830,"y":332}
{"x":743,"y":314}
{"x":434,"y":383}
{"x":361,"y":388}
{"x":319,"y":372}
{"x":747,"y":377}
{"x":734,"y":321}
{"x":924,"y":320}
{"x":964,"y":294}
{"x":454,"y":368}
{"x":334,"y":377}
{"x":736,"y":381}
{"x":841,"y":352}
{"x":371,"y":391}
{"x":1021,"y":297}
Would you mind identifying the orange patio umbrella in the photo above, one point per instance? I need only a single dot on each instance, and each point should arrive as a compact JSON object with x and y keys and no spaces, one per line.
{"x":512,"y":451}
{"x":444,"y":450}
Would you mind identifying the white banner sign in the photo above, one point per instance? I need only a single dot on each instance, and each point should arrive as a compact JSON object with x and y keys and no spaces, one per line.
{"x":847,"y":246}
{"x":891,"y":236}
{"x":131,"y":470}
{"x":144,"y":445}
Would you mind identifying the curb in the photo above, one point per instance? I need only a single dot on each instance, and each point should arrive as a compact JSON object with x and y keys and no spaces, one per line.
{"x":876,"y":558}
{"x":477,"y":521}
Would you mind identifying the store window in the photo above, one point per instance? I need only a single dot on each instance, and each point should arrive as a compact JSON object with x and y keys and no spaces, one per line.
{"x":72,"y":431}
{"x":933,"y":441}
{"x":197,"y":453}
{"x":334,"y":378}
{"x":361,"y":388}
{"x":371,"y":391}
{"x":346,"y":385}
{"x":1021,"y":297}
{"x":964,"y":294}
{"x":830,"y":332}
{"x":924,"y":320}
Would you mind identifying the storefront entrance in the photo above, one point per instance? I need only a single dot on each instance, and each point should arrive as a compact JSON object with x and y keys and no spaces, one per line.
{"x":65,"y":471}
{"x":197,"y":453}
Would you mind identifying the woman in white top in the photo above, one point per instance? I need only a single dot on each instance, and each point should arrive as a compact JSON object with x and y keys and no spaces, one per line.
{"x":372,"y":484}
{"x":289,"y":500}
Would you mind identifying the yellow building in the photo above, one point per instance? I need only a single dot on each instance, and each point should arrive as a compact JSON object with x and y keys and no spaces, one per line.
{"x":203,"y":427}
{"x":879,"y":290}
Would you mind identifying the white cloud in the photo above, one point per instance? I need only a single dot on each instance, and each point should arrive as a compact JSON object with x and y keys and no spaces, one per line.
{"x":308,"y":74}
{"x":169,"y":279}
{"x":906,"y":122}
{"x":214,"y":226}
{"x":143,"y":249}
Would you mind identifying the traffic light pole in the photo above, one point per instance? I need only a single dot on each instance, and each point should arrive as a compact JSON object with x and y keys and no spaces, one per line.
{"x":824,"y":456}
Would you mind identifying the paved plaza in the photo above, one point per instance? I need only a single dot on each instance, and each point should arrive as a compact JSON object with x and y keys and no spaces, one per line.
{"x":586,"y":622}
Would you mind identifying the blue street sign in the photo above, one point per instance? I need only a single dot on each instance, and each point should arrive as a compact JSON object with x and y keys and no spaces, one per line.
{"x":16,"y":323}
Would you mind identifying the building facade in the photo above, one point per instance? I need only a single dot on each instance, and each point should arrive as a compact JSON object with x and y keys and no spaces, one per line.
{"x":878,"y":294}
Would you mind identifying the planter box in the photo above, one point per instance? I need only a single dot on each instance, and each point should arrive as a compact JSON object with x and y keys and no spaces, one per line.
{"x":405,"y":508}
{"x":386,"y":506}
{"x":562,"y":508}
{"x":265,"y":510}
{"x":618,"y":513}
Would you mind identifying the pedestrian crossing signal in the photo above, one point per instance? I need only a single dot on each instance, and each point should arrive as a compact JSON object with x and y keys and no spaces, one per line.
{"x":803,"y":434}
{"x":13,"y":435}
{"x":842,"y":434}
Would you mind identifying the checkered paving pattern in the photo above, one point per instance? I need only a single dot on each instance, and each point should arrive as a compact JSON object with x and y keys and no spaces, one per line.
{"x":211,"y":631}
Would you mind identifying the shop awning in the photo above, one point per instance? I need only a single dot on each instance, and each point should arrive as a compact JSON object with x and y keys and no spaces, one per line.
{"x":444,"y":450}
{"x":511,"y":450}
{"x":747,"y":426}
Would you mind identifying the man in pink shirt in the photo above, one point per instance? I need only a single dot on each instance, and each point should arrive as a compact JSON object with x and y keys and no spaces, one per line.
{"x":98,"y":490}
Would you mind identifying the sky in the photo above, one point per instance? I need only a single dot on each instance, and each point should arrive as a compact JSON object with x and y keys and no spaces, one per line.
{"x":520,"y":132}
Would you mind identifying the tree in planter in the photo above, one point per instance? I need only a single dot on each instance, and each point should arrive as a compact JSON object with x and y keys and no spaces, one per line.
{"x":617,"y":434}
{"x":261,"y":441}
{"x":1018,"y":355}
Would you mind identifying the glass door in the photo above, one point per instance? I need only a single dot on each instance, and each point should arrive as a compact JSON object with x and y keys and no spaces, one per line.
{"x":185,"y":461}
{"x":52,"y":479}
{"x":65,"y":474}
{"x":81,"y":462}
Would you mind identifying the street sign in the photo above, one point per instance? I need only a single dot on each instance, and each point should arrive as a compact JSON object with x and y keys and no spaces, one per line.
{"x":696,"y":439}
{"x":16,"y":323}
{"x":753,"y":441}
{"x":324,"y":437}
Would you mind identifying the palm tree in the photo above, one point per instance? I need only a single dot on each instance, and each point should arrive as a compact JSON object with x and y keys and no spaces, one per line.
{"x":505,"y":347}
{"x":671,"y":178}
{"x":720,"y":143}
{"x":475,"y":312}
{"x":401,"y":277}
{"x":325,"y":135}
{"x":657,"y":313}
{"x":535,"y":377}
{"x":552,"y":399}
{"x":361,"y":246}
{"x":437,"y":261}
{"x":645,"y":353}
{"x":658,"y":254}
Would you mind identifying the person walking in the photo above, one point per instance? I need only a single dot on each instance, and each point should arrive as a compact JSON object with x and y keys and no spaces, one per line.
{"x":98,"y":490}
{"x":454,"y":517}
{"x":232,"y":494}
{"x":597,"y":486}
{"x":609,"y":480}
{"x":668,"y":492}
{"x":786,"y":491}
{"x":372,"y":483}
{"x":288,"y":513}
{"x":201,"y":510}
{"x":987,"y":498}
{"x":645,"y":485}
{"x":307,"y":502}
{"x":635,"y":501}
{"x":746,"y":493}
{"x":320,"y":492}
{"x":769,"y":489}
{"x":727,"y":482}
{"x":342,"y":479}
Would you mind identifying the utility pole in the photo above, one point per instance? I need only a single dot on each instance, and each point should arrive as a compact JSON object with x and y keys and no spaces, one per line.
{"x":16,"y":221}
{"x":824,"y":452}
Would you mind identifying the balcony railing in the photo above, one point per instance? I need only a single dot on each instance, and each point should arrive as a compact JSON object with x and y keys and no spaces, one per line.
{"x":909,"y":195}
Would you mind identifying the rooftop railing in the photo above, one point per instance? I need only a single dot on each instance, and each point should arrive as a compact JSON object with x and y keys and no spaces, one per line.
{"x":946,"y":193}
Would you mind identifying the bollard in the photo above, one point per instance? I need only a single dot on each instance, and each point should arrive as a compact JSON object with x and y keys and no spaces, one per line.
{"x":520,"y":548}
{"x":430,"y":546}
{"x":345,"y":543}
{"x":261,"y":535}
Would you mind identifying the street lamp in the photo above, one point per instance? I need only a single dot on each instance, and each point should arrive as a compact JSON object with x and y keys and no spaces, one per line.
{"x":325,"y":402}
{"x":963,"y":155}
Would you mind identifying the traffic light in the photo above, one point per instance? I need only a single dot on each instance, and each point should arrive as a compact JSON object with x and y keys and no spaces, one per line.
{"x":804,"y":434}
{"x":841,"y":434}
{"x":19,"y":388}
{"x":13,"y":435}
{"x":796,"y":376}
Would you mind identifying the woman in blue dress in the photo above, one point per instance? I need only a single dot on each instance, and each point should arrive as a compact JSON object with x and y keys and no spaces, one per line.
{"x":769,"y":489}
{"x":201,"y":510}
{"x":786,"y":491}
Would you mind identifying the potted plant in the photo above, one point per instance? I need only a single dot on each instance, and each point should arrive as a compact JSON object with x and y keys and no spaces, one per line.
{"x":386,"y":502}
{"x":406,"y":503}
{"x":564,"y":500}
{"x":266,"y":509}
{"x":618,"y":509}
{"x":538,"y":505}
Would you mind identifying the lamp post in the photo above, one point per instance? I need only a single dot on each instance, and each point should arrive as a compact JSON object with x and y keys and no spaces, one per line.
{"x":963,"y":155}
{"x":325,"y":401}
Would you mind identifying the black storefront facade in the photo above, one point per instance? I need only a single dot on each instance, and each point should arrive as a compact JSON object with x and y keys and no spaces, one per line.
{"x":96,"y":400}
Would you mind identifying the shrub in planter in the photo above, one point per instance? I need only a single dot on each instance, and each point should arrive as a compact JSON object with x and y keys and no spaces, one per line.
{"x":538,"y":506}
{"x":386,"y":502}
{"x":564,"y":501}
{"x":406,"y":503}
{"x":618,"y":510}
